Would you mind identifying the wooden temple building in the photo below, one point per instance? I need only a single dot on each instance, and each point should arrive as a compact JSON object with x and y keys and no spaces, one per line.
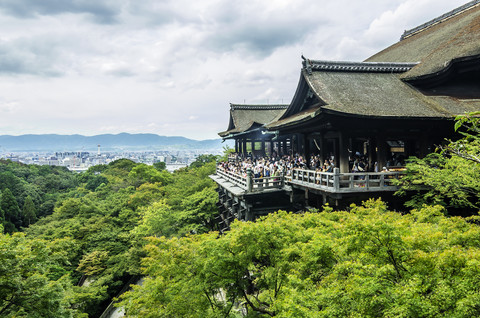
{"x":398,"y":103}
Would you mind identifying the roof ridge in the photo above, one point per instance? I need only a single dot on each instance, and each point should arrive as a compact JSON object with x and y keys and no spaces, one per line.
{"x":379,"y":67}
{"x":439,"y":19}
{"x":258,"y":106}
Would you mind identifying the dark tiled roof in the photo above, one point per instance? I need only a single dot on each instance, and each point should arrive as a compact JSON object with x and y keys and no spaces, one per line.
{"x":295,"y":119}
{"x":439,"y":19}
{"x":246,"y":117}
{"x":438,"y":42}
{"x":373,"y":94}
{"x":381,"y":95}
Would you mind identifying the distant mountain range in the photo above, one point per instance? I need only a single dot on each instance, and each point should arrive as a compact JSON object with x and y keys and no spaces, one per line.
{"x":108,"y":142}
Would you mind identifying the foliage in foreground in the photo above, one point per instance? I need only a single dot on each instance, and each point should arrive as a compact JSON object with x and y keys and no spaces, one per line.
{"x":366,"y":262}
{"x":451,"y":176}
{"x":33,"y":282}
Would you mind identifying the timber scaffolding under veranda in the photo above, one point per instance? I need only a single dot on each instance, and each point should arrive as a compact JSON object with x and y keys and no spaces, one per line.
{"x":244,"y":196}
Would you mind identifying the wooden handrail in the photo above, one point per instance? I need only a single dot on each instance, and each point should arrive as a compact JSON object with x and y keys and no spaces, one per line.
{"x":347,"y":182}
{"x":328,"y":181}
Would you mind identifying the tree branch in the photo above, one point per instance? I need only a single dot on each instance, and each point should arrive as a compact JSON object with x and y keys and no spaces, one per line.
{"x":255,"y":308}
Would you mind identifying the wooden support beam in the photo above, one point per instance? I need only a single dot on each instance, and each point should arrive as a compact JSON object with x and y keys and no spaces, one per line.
{"x":343,"y":162}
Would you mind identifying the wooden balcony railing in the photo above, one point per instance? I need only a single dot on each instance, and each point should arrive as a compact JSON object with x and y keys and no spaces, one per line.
{"x":251,"y":184}
{"x":334,"y":182}
{"x":346,"y":182}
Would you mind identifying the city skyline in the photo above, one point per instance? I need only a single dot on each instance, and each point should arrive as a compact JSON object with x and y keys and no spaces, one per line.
{"x":171,"y":68}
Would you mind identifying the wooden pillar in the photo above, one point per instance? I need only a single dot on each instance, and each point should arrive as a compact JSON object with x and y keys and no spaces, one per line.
{"x":293,"y":141}
{"x":381,"y":152}
{"x":423,"y":145}
{"x":322,"y":143}
{"x":335,"y":151}
{"x":236,"y":145}
{"x":343,"y":163}
{"x":307,"y":149}
{"x":244,"y":147}
{"x":371,"y":155}
{"x":409,"y":148}
{"x":263,"y":148}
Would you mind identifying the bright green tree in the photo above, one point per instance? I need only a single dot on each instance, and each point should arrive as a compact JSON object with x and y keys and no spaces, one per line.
{"x":366,"y":262}
{"x":142,"y":173}
{"x":31,"y":284}
{"x":451,"y":176}
{"x":29,"y":214}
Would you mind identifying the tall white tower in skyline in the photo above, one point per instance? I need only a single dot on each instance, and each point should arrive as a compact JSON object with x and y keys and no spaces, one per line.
{"x":98,"y":151}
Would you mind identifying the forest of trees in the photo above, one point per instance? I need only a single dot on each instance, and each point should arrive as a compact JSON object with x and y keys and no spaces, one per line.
{"x":70,"y":242}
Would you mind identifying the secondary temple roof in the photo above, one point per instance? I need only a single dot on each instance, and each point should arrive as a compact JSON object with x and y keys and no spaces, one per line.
{"x":246,"y":117}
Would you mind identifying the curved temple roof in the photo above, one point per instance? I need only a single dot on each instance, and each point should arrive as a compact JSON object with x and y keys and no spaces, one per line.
{"x":436,"y":43}
{"x":246,"y":117}
{"x":366,"y":89}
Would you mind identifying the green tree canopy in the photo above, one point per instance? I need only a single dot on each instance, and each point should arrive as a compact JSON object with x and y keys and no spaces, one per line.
{"x":203,"y":159}
{"x":160,"y":165}
{"x":366,"y":262}
{"x":451,"y":176}
{"x":31,"y":284}
{"x":29,"y":214}
{"x":9,"y":206}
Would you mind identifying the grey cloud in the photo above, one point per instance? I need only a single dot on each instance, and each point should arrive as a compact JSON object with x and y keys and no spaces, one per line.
{"x":29,"y":57}
{"x":156,"y":13}
{"x":121,"y":72}
{"x":256,"y":40}
{"x":248,"y":78}
{"x":104,"y":12}
{"x":254,"y":30}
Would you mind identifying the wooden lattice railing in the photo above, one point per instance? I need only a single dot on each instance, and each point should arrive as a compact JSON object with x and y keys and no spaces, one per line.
{"x":327,"y":181}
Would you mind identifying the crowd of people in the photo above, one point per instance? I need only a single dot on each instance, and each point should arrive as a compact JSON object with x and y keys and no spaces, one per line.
{"x":273,"y":165}
{"x":276,"y":165}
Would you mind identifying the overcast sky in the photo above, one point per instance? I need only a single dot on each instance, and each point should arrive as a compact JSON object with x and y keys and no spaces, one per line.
{"x":171,"y":67}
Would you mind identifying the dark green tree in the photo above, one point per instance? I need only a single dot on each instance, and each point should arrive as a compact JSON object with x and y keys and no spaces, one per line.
{"x":203,"y":159}
{"x":9,"y":205}
{"x":160,"y":165}
{"x":2,"y":216}
{"x":95,"y":181}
